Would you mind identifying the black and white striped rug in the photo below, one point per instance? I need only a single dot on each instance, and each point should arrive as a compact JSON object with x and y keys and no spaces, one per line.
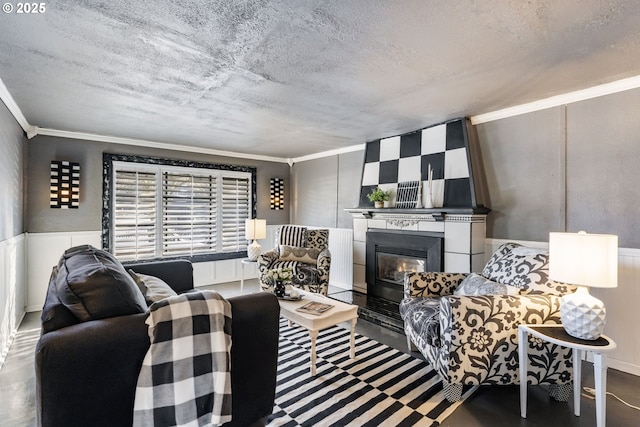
{"x":381,"y":386}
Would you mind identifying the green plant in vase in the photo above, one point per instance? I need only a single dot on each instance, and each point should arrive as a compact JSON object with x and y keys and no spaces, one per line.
{"x":378,"y":196}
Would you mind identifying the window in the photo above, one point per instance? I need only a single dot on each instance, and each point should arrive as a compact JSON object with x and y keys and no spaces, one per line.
{"x":168,"y":209}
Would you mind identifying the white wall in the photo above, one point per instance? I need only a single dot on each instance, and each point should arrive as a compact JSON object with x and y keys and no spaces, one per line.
{"x":12,"y":290}
{"x":12,"y":211}
{"x":44,"y":251}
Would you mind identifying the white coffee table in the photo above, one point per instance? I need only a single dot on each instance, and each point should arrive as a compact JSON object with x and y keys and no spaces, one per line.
{"x":339,"y":313}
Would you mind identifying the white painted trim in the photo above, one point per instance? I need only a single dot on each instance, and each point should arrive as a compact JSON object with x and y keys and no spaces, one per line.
{"x":13,"y":108}
{"x":532,"y":244}
{"x":12,"y":279}
{"x":563,"y":99}
{"x":154,"y":144}
{"x":350,"y":149}
{"x":619,"y":365}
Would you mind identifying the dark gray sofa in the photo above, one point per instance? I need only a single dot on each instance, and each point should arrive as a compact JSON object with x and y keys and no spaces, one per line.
{"x":86,"y":371}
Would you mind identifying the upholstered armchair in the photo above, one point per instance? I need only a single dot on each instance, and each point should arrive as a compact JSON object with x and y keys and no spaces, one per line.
{"x":305,"y":251}
{"x":472,"y":338}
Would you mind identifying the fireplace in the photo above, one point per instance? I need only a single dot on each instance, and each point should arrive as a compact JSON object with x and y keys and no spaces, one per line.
{"x":453,"y":240}
{"x":389,"y":254}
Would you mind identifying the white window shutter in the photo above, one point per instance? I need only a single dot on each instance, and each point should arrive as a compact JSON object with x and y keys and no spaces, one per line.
{"x":189,"y":214}
{"x":134,"y":215}
{"x":170,"y":211}
{"x":236,"y":208}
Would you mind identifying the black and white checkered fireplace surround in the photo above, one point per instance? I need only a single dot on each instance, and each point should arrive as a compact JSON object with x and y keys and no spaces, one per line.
{"x":439,"y":158}
{"x":457,"y":215}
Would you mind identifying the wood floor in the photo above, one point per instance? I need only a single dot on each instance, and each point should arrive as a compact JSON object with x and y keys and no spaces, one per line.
{"x":493,"y":406}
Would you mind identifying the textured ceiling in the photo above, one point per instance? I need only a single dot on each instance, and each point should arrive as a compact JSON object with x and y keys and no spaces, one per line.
{"x":289,"y":78}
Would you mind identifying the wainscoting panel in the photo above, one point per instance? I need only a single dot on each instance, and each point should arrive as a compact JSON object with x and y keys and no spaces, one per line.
{"x":43,"y":252}
{"x":12,"y":291}
{"x":213,"y":272}
{"x":341,"y":248}
{"x":621,"y":304}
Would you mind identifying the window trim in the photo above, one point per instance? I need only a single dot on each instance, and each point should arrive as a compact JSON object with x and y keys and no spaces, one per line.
{"x":108,"y":160}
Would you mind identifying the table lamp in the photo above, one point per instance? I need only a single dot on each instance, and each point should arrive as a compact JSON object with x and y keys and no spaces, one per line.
{"x":584,"y":260}
{"x":254,"y":229}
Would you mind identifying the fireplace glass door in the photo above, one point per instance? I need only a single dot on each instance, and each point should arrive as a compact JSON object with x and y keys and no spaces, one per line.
{"x":391,"y":267}
{"x":392,"y":253}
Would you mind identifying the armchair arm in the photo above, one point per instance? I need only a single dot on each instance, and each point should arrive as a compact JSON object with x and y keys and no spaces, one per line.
{"x":324,"y":265}
{"x":479,"y":340}
{"x":95,"y":361}
{"x":255,"y":320}
{"x":266,"y":259}
{"x":431,"y":284}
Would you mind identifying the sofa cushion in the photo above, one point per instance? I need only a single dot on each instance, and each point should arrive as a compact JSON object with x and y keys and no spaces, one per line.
{"x":293,"y":253}
{"x":54,"y":314}
{"x":525,"y":268}
{"x":475,"y":284}
{"x":153,"y":288}
{"x":92,"y":284}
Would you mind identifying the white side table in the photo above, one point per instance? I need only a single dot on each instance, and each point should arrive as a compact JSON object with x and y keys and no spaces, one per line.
{"x":245,"y":261}
{"x":557,"y":335}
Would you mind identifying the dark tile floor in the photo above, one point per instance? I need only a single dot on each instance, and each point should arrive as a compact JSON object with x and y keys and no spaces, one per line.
{"x":489,"y":406}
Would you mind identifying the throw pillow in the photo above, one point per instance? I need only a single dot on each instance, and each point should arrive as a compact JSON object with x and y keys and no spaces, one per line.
{"x":318,"y":238}
{"x":525,"y":268}
{"x":291,"y":235}
{"x":153,"y":288}
{"x":519,"y":266}
{"x":475,"y":284}
{"x":293,"y":253}
{"x":92,"y":284}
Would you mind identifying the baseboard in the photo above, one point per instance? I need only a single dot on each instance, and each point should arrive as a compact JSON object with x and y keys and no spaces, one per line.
{"x":620,"y":365}
{"x":12,"y":289}
{"x":343,"y":286}
{"x":12,"y":337}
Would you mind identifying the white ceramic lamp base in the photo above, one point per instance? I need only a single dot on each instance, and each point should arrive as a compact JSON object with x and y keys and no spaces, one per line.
{"x":253,"y":251}
{"x":582,"y":314}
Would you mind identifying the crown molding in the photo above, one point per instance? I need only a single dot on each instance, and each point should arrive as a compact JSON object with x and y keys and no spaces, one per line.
{"x":350,"y":149}
{"x":154,"y":144}
{"x":558,"y":100}
{"x":13,"y":108}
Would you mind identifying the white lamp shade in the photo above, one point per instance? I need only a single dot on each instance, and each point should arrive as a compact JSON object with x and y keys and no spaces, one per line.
{"x":584,"y":259}
{"x":255,"y":229}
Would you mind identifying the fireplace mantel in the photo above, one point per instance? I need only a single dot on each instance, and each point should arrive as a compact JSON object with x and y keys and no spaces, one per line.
{"x":437,"y":214}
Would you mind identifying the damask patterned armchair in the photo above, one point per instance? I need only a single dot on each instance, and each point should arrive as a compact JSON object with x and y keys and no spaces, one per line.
{"x":305,"y":251}
{"x":472,"y":338}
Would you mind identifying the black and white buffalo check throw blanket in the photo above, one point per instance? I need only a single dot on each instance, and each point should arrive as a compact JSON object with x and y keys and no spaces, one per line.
{"x":185,"y":376}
